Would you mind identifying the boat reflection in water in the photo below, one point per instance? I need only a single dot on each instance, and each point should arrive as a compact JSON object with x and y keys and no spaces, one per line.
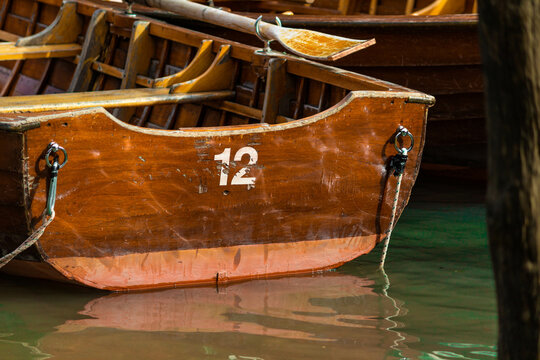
{"x":326,"y":316}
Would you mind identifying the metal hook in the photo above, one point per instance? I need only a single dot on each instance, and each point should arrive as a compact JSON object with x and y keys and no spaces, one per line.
{"x":129,"y":10}
{"x":402,"y":131}
{"x":54,"y":167}
{"x":266,"y":41}
{"x":52,"y":149}
{"x":260,"y":36}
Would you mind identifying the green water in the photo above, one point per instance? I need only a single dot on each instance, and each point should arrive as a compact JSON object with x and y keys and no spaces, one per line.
{"x":437,"y":303}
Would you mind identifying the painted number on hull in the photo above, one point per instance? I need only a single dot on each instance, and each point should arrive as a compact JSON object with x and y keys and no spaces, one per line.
{"x":238,"y":178}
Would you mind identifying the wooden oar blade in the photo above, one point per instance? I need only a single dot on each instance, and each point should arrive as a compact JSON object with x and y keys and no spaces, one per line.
{"x":319,"y":46}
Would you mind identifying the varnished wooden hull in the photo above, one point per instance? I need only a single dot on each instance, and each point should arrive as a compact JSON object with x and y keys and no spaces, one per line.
{"x":144,"y":207}
{"x":140,"y":209}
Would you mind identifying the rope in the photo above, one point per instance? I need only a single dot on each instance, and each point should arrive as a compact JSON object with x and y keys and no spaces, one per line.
{"x":48,"y":214}
{"x":392,"y":220}
{"x":32,"y":239}
{"x":390,"y":318}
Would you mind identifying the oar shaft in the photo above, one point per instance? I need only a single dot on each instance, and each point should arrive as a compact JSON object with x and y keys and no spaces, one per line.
{"x":212,"y":15}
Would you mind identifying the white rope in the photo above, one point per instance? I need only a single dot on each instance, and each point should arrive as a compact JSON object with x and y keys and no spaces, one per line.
{"x":32,"y":239}
{"x":390,"y":318}
{"x":392,"y":219}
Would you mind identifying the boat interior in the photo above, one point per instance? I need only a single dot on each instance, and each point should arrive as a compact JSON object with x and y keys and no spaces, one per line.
{"x":154,"y":75}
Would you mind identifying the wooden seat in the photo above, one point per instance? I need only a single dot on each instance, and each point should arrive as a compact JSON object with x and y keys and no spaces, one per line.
{"x":200,"y":63}
{"x":7,"y":36}
{"x":218,"y":76}
{"x":107,"y":99}
{"x":9,"y":51}
{"x":57,"y":40}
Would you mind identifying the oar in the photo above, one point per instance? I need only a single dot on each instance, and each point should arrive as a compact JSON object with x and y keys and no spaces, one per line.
{"x":306,"y":43}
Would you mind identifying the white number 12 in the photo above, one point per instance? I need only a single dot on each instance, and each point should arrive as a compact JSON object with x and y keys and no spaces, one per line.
{"x":238,"y":178}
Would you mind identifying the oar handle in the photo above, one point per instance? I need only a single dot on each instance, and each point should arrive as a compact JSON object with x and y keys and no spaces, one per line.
{"x":212,"y":15}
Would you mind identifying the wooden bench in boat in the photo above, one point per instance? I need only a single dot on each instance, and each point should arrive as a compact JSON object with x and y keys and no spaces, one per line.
{"x":57,"y":40}
{"x":10,"y":51}
{"x":7,"y":36}
{"x":107,"y":99}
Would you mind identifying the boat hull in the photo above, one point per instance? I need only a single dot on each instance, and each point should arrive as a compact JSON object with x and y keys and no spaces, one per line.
{"x":140,"y":208}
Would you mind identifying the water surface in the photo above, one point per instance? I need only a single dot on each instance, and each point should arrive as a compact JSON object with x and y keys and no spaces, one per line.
{"x":436,"y":301}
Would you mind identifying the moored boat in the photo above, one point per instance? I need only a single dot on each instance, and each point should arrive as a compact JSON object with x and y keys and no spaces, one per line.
{"x":214,"y":161}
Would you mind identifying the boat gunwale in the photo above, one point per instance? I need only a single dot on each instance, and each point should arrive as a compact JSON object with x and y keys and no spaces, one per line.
{"x":36,"y":119}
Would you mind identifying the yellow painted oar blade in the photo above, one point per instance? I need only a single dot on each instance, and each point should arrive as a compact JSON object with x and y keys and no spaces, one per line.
{"x":318,"y":46}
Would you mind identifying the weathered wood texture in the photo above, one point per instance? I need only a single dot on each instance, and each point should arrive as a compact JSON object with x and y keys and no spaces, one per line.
{"x":224,"y":196}
{"x":33,"y":76}
{"x":510,"y":37}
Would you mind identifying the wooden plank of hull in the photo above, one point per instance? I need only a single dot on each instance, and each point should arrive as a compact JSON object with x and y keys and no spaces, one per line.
{"x":165,"y":204}
{"x":165,"y":269}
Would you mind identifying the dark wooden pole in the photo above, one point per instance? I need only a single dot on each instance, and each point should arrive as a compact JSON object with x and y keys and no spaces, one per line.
{"x":510,"y":42}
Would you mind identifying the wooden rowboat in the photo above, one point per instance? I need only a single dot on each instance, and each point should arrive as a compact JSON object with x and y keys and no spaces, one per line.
{"x":213,"y":161}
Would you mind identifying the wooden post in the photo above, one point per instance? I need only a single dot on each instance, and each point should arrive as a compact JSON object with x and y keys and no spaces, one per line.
{"x":510,"y":35}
